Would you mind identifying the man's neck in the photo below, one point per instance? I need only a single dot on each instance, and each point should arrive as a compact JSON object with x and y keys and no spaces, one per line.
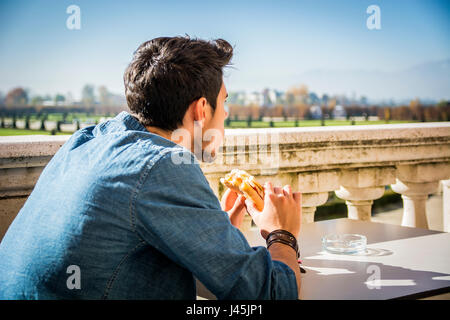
{"x":160,"y":132}
{"x":180,"y":139}
{"x":163,"y":133}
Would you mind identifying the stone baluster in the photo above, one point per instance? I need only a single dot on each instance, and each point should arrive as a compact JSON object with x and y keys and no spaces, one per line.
{"x":359,"y":187}
{"x":310,"y":201}
{"x":446,"y":204}
{"x":315,"y":187}
{"x":415,"y":183}
{"x":359,"y":201}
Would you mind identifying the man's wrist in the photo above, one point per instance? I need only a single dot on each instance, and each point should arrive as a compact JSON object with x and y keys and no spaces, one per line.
{"x":283,"y":237}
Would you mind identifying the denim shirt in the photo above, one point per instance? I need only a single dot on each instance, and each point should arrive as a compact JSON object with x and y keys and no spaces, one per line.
{"x":115,"y":215}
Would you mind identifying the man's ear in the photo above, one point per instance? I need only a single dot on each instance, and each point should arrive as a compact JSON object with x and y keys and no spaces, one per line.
{"x":199,"y":110}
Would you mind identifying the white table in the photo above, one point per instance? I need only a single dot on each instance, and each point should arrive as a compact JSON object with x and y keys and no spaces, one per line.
{"x":400,"y":262}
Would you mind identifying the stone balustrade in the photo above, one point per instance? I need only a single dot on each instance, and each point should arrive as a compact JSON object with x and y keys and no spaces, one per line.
{"x":355,"y":162}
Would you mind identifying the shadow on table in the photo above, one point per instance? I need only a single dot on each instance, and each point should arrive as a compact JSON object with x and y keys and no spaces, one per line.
{"x":327,"y":279}
{"x":354,"y":280}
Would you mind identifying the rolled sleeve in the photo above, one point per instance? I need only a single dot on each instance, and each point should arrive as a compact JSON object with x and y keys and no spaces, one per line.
{"x":177,"y":213}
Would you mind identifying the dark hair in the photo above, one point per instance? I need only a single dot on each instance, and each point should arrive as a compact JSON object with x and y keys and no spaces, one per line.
{"x":167,"y":74}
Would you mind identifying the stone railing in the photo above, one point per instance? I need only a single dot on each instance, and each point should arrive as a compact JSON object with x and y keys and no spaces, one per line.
{"x":356,"y":162}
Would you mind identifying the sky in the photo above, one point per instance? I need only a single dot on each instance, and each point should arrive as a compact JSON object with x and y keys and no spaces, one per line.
{"x":277,"y":44}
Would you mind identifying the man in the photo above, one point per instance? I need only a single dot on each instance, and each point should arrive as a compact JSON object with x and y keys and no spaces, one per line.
{"x":118,"y":212}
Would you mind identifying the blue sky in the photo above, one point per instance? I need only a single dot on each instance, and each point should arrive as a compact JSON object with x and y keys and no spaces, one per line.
{"x":276,"y":42}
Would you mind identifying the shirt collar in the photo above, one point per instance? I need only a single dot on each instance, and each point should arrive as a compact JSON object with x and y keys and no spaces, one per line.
{"x":130,"y":121}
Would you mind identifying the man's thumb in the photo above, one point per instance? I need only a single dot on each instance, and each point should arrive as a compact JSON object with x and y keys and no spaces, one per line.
{"x":238,"y":204}
{"x":251,"y":208}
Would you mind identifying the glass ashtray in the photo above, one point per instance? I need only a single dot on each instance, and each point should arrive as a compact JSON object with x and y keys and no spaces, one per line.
{"x":344,"y":243}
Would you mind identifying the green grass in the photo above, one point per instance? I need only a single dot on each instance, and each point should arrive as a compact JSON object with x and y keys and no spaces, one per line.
{"x":22,"y":132}
{"x":306,"y":123}
{"x":83,"y":118}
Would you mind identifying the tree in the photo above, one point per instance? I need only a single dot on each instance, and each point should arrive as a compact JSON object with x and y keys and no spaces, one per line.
{"x":16,"y":97}
{"x":330,"y":108}
{"x":249,"y":121}
{"x":297,"y":94}
{"x":325,"y":99}
{"x":37,"y":100}
{"x":14,"y":120}
{"x":27,"y":121}
{"x":443,"y":108}
{"x":387,"y":114}
{"x":44,"y":117}
{"x":416,"y":109}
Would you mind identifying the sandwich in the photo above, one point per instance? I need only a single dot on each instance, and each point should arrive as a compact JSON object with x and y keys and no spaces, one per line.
{"x":245,"y":184}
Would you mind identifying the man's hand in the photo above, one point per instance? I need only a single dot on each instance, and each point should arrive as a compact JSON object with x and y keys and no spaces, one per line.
{"x":282,"y":210}
{"x":234,"y":205}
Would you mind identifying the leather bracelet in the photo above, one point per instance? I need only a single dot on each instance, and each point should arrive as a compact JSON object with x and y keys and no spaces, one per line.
{"x":285,"y":237}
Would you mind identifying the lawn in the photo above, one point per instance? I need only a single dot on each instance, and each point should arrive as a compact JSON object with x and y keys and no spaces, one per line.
{"x":23,"y":132}
{"x":234,"y":124}
{"x":305,"y":123}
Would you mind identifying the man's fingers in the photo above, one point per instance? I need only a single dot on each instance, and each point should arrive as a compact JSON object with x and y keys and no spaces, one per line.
{"x":237,"y":213}
{"x":225,"y":195}
{"x":298,"y":197}
{"x":278,"y":190}
{"x":251,"y":208}
{"x":239,"y":204}
{"x":287,"y":191}
{"x":268,"y":188}
{"x":228,"y":199}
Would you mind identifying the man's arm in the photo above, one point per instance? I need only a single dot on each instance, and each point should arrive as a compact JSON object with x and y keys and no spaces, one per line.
{"x":281,"y":252}
{"x":176,"y":212}
{"x":282,"y":210}
{"x":234,"y":204}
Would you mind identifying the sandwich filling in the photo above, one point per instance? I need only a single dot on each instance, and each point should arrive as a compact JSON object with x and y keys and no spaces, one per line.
{"x":238,"y":179}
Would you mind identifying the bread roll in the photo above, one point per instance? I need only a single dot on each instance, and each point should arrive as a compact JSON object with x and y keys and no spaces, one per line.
{"x":245,"y":184}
